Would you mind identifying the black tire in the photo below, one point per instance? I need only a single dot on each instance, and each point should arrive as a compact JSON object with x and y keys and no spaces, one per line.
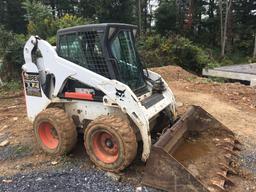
{"x":55,"y":131}
{"x":124,"y":144}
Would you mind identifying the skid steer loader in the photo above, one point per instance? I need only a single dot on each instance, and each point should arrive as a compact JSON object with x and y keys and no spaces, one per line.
{"x":93,"y":82}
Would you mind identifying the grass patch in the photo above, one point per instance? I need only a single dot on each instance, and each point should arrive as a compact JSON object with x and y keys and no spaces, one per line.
{"x":22,"y":150}
{"x":191,"y":79}
{"x":217,"y":79}
{"x":11,"y":86}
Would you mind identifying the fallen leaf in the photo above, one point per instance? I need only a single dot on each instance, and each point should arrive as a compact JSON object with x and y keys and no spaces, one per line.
{"x":7,"y":180}
{"x":4,"y":143}
{"x":54,"y":162}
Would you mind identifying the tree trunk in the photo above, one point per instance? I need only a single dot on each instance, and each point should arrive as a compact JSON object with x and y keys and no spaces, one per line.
{"x":230,"y":35}
{"x":254,"y":50}
{"x":212,"y":26}
{"x":1,"y":82}
{"x":150,"y":17}
{"x":221,"y":24}
{"x":178,"y":14}
{"x":52,"y":4}
{"x":145,"y":10}
{"x":224,"y":33}
{"x":139,"y":16}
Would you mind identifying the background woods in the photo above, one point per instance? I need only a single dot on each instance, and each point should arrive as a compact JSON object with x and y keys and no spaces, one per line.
{"x":190,"y":33}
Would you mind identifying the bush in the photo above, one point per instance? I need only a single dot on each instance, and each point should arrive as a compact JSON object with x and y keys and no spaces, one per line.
{"x":160,"y":51}
{"x":191,"y":57}
{"x":11,"y":86}
{"x":152,"y":51}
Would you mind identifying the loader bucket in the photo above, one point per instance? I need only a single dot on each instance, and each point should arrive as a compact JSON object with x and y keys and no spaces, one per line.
{"x":195,"y":154}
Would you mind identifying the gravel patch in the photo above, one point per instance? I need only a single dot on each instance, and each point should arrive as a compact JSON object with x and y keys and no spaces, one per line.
{"x":66,"y":180}
{"x":249,"y":160}
{"x":14,"y":152}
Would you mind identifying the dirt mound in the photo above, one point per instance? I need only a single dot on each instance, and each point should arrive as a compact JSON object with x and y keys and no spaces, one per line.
{"x":173,"y":73}
{"x":242,"y":96}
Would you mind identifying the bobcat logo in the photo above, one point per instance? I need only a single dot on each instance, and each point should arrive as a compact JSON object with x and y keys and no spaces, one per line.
{"x":120,"y":93}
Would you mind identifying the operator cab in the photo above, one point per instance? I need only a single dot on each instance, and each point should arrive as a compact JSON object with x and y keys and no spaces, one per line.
{"x":106,"y":49}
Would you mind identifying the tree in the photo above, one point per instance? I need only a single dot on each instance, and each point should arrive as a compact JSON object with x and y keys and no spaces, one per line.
{"x":254,"y":49}
{"x":41,"y":22}
{"x":11,"y":53}
{"x":62,"y":7}
{"x":87,"y":9}
{"x":245,"y":27}
{"x":121,"y":11}
{"x":12,"y":16}
{"x":166,"y":17}
{"x":139,"y":17}
{"x":224,"y":25}
{"x":40,"y":18}
{"x":145,"y":14}
{"x":211,"y":24}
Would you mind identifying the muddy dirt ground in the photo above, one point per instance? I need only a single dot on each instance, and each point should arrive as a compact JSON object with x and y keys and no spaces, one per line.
{"x":233,"y":104}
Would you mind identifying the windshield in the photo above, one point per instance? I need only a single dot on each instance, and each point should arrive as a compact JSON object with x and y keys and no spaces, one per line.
{"x":130,"y":69}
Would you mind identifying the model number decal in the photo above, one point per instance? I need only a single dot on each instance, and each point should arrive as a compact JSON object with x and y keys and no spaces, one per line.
{"x":32,"y":85}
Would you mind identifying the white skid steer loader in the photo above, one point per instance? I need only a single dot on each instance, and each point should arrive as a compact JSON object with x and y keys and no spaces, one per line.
{"x":93,"y":82}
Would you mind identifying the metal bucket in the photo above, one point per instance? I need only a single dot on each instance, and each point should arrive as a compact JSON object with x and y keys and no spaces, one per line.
{"x":195,"y":154}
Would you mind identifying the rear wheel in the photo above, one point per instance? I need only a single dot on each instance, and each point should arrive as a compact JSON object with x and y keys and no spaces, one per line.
{"x":110,"y":143}
{"x":55,"y":131}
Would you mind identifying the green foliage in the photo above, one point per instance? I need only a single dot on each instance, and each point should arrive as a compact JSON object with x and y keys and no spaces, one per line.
{"x":12,"y":16}
{"x":251,"y":60}
{"x":22,"y":150}
{"x":12,"y":85}
{"x":191,"y":56}
{"x":87,"y":8}
{"x":175,"y":50}
{"x":11,"y":53}
{"x":244,"y":26}
{"x":153,"y":42}
{"x":66,"y":21}
{"x":36,"y":11}
{"x":71,"y":20}
{"x":226,"y":61}
{"x":166,"y":17}
{"x":41,"y":22}
{"x":40,"y":18}
{"x":120,"y":11}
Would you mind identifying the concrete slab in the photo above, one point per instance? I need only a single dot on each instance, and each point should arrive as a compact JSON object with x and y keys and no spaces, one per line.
{"x":244,"y":72}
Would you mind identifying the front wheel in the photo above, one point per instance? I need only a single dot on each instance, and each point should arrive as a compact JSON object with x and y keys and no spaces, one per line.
{"x":110,"y":143}
{"x":55,"y":131}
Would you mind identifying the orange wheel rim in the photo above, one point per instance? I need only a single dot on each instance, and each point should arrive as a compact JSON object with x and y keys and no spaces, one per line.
{"x":105,"y":147}
{"x":48,"y":135}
